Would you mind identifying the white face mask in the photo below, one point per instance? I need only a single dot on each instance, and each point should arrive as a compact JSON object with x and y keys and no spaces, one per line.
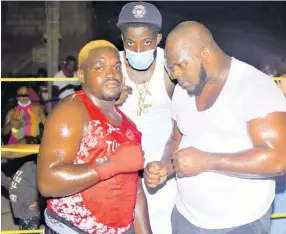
{"x":24,"y":105}
{"x":141,"y":60}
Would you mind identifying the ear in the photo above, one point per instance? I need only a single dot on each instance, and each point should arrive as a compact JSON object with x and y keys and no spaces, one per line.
{"x":122,"y":38}
{"x":80,"y":75}
{"x":159,"y":38}
{"x":206,"y":55}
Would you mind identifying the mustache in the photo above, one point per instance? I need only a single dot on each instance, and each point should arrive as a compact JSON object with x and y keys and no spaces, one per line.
{"x":112,"y":79}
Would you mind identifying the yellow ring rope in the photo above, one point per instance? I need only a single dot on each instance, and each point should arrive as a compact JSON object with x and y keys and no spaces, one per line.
{"x":22,"y":231}
{"x":19,"y":150}
{"x":278,"y":216}
{"x":274,"y":216}
{"x":65,"y":79}
{"x":37,"y":79}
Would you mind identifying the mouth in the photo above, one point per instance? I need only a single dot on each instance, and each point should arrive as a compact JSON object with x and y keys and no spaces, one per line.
{"x":112,"y":84}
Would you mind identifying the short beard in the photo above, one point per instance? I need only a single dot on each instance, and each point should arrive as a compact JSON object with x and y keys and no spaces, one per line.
{"x":110,"y":97}
{"x":200,"y":86}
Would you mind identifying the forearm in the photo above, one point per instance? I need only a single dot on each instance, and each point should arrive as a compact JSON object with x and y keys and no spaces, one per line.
{"x":258,"y":162}
{"x":170,"y":148}
{"x":141,"y":221}
{"x":65,"y":180}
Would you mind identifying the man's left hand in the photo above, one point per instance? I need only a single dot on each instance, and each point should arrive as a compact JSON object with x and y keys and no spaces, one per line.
{"x":190,"y":162}
{"x":126,"y":90}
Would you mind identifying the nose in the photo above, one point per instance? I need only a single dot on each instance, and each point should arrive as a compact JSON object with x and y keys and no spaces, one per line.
{"x":138,"y":49}
{"x":109,"y":72}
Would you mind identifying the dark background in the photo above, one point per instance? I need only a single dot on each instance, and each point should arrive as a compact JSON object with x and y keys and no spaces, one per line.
{"x":254,"y":32}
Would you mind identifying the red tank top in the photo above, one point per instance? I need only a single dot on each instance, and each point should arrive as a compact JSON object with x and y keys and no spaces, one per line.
{"x":107,"y":207}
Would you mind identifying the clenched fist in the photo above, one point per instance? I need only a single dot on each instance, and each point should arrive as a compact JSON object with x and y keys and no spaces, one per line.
{"x":155,"y":174}
{"x":190,"y":162}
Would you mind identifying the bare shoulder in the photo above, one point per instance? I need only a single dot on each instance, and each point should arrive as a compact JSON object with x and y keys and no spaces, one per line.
{"x":69,"y":110}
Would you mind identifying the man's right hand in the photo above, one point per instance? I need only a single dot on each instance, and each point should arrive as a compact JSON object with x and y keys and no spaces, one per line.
{"x":126,"y":90}
{"x":127,"y":158}
{"x":155,"y":174}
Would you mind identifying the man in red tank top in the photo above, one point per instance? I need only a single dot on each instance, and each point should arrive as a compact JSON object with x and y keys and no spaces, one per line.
{"x":91,"y":154}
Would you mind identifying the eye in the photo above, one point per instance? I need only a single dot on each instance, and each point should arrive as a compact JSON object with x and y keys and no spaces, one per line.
{"x":117,"y":68}
{"x":147,"y":43}
{"x":99,"y":69}
{"x":129,"y":43}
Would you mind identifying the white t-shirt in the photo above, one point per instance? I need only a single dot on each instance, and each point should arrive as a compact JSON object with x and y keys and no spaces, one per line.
{"x":156,"y":127}
{"x":61,"y":84}
{"x":216,"y":201}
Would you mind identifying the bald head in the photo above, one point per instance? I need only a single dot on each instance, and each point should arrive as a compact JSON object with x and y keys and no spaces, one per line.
{"x":191,"y":34}
{"x":188,"y":50}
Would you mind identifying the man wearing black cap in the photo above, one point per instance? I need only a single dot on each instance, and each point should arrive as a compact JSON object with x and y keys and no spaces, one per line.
{"x":149,"y":104}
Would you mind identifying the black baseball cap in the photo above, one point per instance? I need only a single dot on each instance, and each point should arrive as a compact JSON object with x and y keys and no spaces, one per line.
{"x":140,"y":12}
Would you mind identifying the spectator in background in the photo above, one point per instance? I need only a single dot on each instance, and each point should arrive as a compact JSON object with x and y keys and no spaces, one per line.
{"x":24,"y":119}
{"x":23,"y":189}
{"x":270,"y":66}
{"x":43,"y":89}
{"x":61,"y":89}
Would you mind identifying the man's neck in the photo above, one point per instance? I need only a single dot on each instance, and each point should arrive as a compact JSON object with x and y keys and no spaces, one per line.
{"x":221,"y":70}
{"x":105,"y":106}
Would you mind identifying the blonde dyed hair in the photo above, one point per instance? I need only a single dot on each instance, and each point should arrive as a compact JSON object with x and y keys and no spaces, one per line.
{"x":83,"y":54}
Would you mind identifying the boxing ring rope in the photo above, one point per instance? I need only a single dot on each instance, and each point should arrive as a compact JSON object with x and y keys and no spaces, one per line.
{"x":22,"y":231}
{"x":37,"y":79}
{"x":67,"y":79}
{"x":273,"y":216}
{"x":19,"y":150}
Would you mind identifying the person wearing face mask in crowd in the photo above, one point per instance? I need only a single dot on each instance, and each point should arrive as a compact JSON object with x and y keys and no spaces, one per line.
{"x":149,"y":104}
{"x":24,"y":119}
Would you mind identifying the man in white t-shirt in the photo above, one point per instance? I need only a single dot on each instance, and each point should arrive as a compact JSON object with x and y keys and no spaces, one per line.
{"x":66,"y":88}
{"x":149,"y":105}
{"x":228,"y":139}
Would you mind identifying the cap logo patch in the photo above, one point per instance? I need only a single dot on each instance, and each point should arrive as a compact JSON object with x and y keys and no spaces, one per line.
{"x":139,"y":11}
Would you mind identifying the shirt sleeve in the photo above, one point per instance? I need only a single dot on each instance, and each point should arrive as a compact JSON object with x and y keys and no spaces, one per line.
{"x":261,"y":96}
